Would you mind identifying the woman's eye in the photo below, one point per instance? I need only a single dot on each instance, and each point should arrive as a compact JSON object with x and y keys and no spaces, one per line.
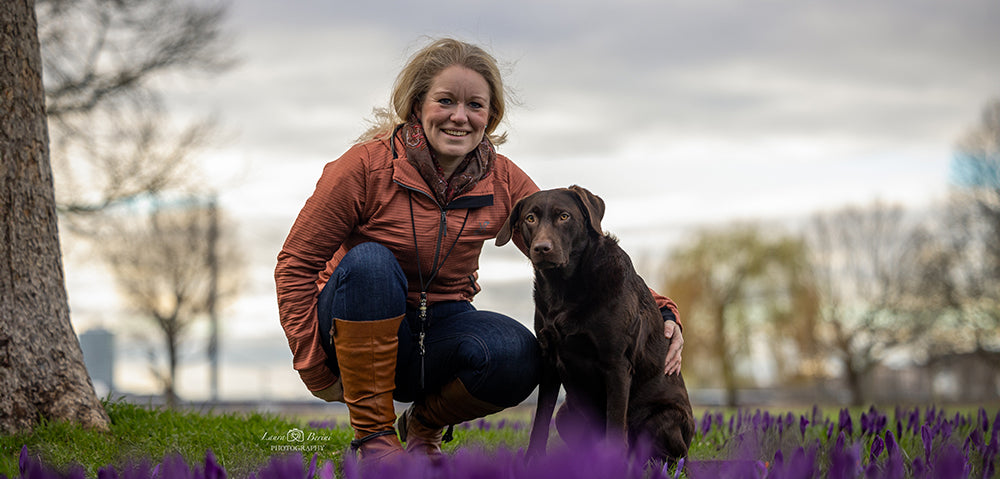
{"x":445,"y":101}
{"x":476,"y":105}
{"x":529,"y":218}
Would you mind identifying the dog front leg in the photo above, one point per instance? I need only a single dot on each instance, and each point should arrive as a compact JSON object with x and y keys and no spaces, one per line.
{"x":548,"y":393}
{"x":618,"y":382}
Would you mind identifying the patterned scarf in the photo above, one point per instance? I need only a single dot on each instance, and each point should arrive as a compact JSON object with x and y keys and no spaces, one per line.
{"x":476,"y":165}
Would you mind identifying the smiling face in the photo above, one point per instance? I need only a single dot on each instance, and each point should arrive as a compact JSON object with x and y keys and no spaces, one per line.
{"x":454,"y":114}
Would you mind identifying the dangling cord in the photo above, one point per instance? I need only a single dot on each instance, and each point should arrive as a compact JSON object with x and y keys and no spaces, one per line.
{"x":435,"y":268}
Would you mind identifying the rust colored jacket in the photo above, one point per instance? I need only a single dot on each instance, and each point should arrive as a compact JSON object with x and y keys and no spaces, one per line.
{"x":366,"y":195}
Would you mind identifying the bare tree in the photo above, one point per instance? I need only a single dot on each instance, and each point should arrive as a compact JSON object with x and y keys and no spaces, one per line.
{"x":174,"y":265}
{"x":112,"y":137}
{"x":42,"y":374}
{"x":736,"y":286}
{"x":867,"y":275}
{"x":962,"y":254}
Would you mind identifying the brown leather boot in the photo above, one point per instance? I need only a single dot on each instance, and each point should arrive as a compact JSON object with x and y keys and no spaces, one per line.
{"x":366,"y":352}
{"x":422,"y":425}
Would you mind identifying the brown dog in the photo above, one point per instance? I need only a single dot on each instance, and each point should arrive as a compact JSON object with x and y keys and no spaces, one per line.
{"x":600,"y":331}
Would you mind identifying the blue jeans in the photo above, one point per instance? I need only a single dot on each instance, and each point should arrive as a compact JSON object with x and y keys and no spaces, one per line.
{"x":496,"y":357}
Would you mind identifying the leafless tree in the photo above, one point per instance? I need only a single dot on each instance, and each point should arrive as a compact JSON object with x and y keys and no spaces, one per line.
{"x":739,"y":285}
{"x":42,"y":374}
{"x":104,"y":62}
{"x":865,"y":265}
{"x":173,"y":264}
{"x":962,"y":253}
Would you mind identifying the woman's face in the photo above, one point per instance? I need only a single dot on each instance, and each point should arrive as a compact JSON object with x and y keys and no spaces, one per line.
{"x":454,"y":113}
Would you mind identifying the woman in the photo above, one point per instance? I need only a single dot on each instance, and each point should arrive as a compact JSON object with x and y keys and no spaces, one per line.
{"x":376,"y":277}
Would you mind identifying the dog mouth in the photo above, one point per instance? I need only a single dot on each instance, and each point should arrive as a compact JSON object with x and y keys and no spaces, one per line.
{"x":544,"y":262}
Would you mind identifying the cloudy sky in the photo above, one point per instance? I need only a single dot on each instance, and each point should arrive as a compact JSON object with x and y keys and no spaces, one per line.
{"x":677,"y":113}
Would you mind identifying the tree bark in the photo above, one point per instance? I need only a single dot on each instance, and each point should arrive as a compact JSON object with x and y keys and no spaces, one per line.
{"x":42,"y":374}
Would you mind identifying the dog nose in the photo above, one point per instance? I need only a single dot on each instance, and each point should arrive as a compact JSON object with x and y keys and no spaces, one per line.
{"x":542,"y":247}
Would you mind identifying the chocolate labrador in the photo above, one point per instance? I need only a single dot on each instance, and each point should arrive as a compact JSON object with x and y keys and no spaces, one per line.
{"x":600,"y":331}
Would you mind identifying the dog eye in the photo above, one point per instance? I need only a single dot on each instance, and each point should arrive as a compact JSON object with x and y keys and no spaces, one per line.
{"x":529,"y":218}
{"x":564,"y":216}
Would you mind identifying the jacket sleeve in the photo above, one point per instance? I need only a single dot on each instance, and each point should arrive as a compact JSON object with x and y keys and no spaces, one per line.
{"x":322,"y":225}
{"x":667,"y":308}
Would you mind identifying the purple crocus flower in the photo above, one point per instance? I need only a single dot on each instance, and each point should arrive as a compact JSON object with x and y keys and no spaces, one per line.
{"x":106,"y":472}
{"x":312,"y":468}
{"x":890,"y":444}
{"x":877,"y":446}
{"x":803,"y":423}
{"x":845,"y":462}
{"x":212,"y":468}
{"x":706,"y":423}
{"x":925,"y":435}
{"x":845,"y":422}
{"x":894,"y":467}
{"x":913,"y":421}
{"x":950,"y":463}
{"x":328,"y":471}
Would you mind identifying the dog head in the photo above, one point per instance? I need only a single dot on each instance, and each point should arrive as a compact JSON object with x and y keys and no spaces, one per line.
{"x":556,"y":225}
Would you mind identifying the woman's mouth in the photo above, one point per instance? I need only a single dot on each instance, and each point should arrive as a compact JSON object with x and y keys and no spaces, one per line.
{"x":455,"y":132}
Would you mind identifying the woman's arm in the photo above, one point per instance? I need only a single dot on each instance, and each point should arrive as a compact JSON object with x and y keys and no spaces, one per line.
{"x":322,"y":225}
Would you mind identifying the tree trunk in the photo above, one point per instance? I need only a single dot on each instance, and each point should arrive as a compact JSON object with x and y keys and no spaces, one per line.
{"x":42,"y":374}
{"x":854,"y":376}
{"x":725,"y":358}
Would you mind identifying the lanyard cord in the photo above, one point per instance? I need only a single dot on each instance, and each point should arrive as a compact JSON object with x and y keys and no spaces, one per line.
{"x":435,"y":268}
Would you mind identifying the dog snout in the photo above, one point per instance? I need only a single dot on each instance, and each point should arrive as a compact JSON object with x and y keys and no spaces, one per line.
{"x":542,"y":246}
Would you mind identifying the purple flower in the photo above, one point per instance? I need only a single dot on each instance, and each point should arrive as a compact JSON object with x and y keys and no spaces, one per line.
{"x":925,"y":435}
{"x":950,"y":463}
{"x":212,"y":468}
{"x":845,"y":462}
{"x":891,"y":447}
{"x":312,"y":468}
{"x":877,"y":446}
{"x":328,"y":471}
{"x":803,"y":423}
{"x":706,"y":423}
{"x":914,"y":420}
{"x":845,"y":422}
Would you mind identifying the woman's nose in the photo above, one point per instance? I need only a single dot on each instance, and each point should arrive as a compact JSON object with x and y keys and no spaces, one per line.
{"x":460,"y":115}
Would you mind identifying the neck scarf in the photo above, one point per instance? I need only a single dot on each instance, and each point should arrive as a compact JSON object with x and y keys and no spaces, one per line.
{"x":476,"y":165}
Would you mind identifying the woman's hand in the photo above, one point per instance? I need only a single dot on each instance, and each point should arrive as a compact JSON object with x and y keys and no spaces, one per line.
{"x":673,"y":333}
{"x":333,"y":393}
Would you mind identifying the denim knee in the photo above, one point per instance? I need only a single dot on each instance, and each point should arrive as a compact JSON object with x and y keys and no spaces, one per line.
{"x":502,"y":369}
{"x":368,"y":285}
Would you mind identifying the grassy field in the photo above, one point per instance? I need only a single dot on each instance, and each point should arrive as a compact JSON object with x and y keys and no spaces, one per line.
{"x":920,"y":442}
{"x":242,"y":443}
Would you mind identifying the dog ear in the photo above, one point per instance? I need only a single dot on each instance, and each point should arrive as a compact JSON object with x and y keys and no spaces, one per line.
{"x":592,"y":205}
{"x":507,"y":230}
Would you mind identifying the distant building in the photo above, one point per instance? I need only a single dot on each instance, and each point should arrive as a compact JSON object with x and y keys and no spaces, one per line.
{"x":98,"y":347}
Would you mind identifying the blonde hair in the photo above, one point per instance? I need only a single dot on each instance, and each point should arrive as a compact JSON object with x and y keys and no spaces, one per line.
{"x":415,"y":79}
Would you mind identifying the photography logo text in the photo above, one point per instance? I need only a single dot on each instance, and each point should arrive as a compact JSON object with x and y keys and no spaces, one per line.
{"x":295,"y":439}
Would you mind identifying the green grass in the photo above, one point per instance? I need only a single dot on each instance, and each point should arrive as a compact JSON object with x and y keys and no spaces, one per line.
{"x":138,"y":433}
{"x":242,"y":443}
